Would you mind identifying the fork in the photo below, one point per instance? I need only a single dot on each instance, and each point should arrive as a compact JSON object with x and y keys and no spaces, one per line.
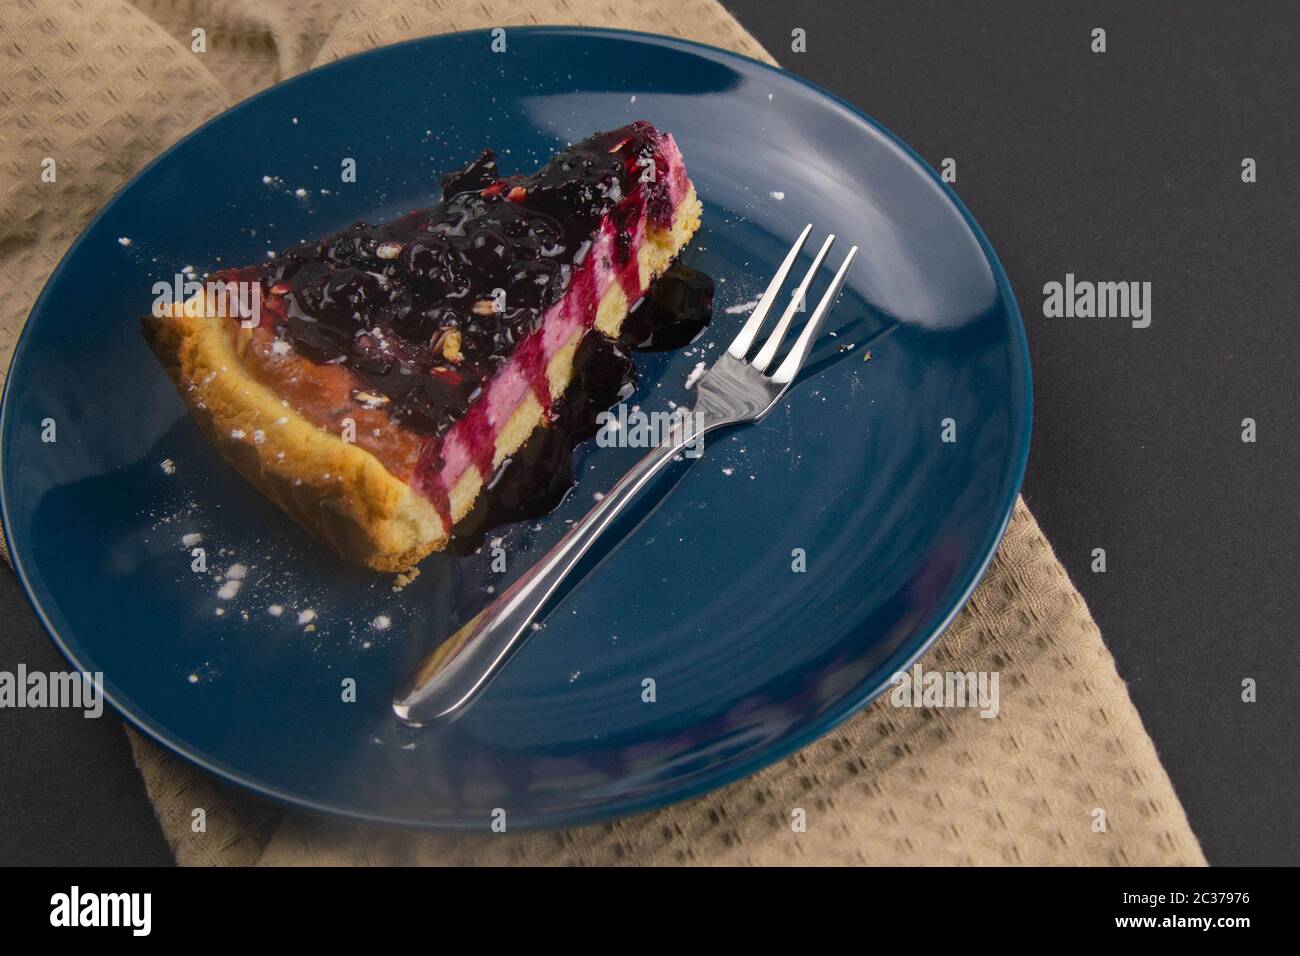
{"x":733,"y":391}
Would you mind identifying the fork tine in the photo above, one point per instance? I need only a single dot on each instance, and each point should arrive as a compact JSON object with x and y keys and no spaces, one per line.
{"x":745,"y":339}
{"x":768,"y":351}
{"x":794,"y":361}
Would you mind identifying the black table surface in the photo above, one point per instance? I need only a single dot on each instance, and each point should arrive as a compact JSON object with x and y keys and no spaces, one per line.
{"x":1117,"y":166}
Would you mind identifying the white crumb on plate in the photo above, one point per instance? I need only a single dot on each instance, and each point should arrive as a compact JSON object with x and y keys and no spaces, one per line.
{"x":237,"y":572}
{"x":742,"y":307}
{"x":275,"y":610}
{"x":777,"y":195}
{"x":191,"y":539}
{"x":728,"y":471}
{"x":123,"y":241}
{"x":300,"y":193}
{"x":307,"y":616}
{"x":696,"y":374}
{"x":382,"y":622}
{"x":168,"y":466}
{"x":228,"y":590}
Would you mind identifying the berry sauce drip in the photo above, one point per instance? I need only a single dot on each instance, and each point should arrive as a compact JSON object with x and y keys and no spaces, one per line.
{"x":534,"y":480}
{"x":426,"y":308}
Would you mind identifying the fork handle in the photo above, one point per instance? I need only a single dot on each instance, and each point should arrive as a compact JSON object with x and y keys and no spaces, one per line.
{"x":463,"y":665}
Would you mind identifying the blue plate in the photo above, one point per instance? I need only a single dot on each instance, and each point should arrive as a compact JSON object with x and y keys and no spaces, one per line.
{"x":750,"y":657}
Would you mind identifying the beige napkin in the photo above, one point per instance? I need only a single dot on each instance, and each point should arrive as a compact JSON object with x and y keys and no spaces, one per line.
{"x":102,"y":86}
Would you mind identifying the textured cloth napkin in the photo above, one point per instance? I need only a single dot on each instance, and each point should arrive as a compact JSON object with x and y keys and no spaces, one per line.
{"x":105,"y":85}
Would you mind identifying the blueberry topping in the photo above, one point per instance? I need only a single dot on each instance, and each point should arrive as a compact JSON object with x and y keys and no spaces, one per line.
{"x":426,"y":308}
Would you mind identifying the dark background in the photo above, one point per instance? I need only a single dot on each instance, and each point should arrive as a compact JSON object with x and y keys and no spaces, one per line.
{"x":1122,"y":166}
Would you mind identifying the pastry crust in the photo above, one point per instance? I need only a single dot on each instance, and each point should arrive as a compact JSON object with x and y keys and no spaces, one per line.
{"x":336,"y":490}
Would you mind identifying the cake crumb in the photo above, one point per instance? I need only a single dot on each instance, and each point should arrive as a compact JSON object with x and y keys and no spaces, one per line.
{"x":777,"y":195}
{"x":168,"y":466}
{"x":191,"y":539}
{"x":275,"y":610}
{"x":382,"y":622}
{"x":228,"y":590}
{"x":123,"y":241}
{"x":696,"y":374}
{"x":307,"y":616}
{"x":405,"y":578}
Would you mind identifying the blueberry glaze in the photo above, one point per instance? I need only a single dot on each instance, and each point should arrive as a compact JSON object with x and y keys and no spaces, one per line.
{"x":535,"y":479}
{"x":424,"y":309}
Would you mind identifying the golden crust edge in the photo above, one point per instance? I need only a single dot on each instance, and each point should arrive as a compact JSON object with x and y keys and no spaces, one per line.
{"x":334,"y":489}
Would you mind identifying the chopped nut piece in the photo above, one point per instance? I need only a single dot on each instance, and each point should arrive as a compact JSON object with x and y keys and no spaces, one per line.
{"x":451,"y":345}
{"x":389,"y":250}
{"x":370,"y":399}
{"x":517,"y":194}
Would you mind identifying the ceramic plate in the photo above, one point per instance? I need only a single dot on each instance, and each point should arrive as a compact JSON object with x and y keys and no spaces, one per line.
{"x":849,"y":478}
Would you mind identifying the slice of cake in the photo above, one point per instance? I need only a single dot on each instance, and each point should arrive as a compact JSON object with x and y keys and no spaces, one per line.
{"x":387,"y":370}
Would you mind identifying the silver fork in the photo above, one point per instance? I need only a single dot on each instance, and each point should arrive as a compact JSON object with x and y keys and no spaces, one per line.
{"x":731,"y":392}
